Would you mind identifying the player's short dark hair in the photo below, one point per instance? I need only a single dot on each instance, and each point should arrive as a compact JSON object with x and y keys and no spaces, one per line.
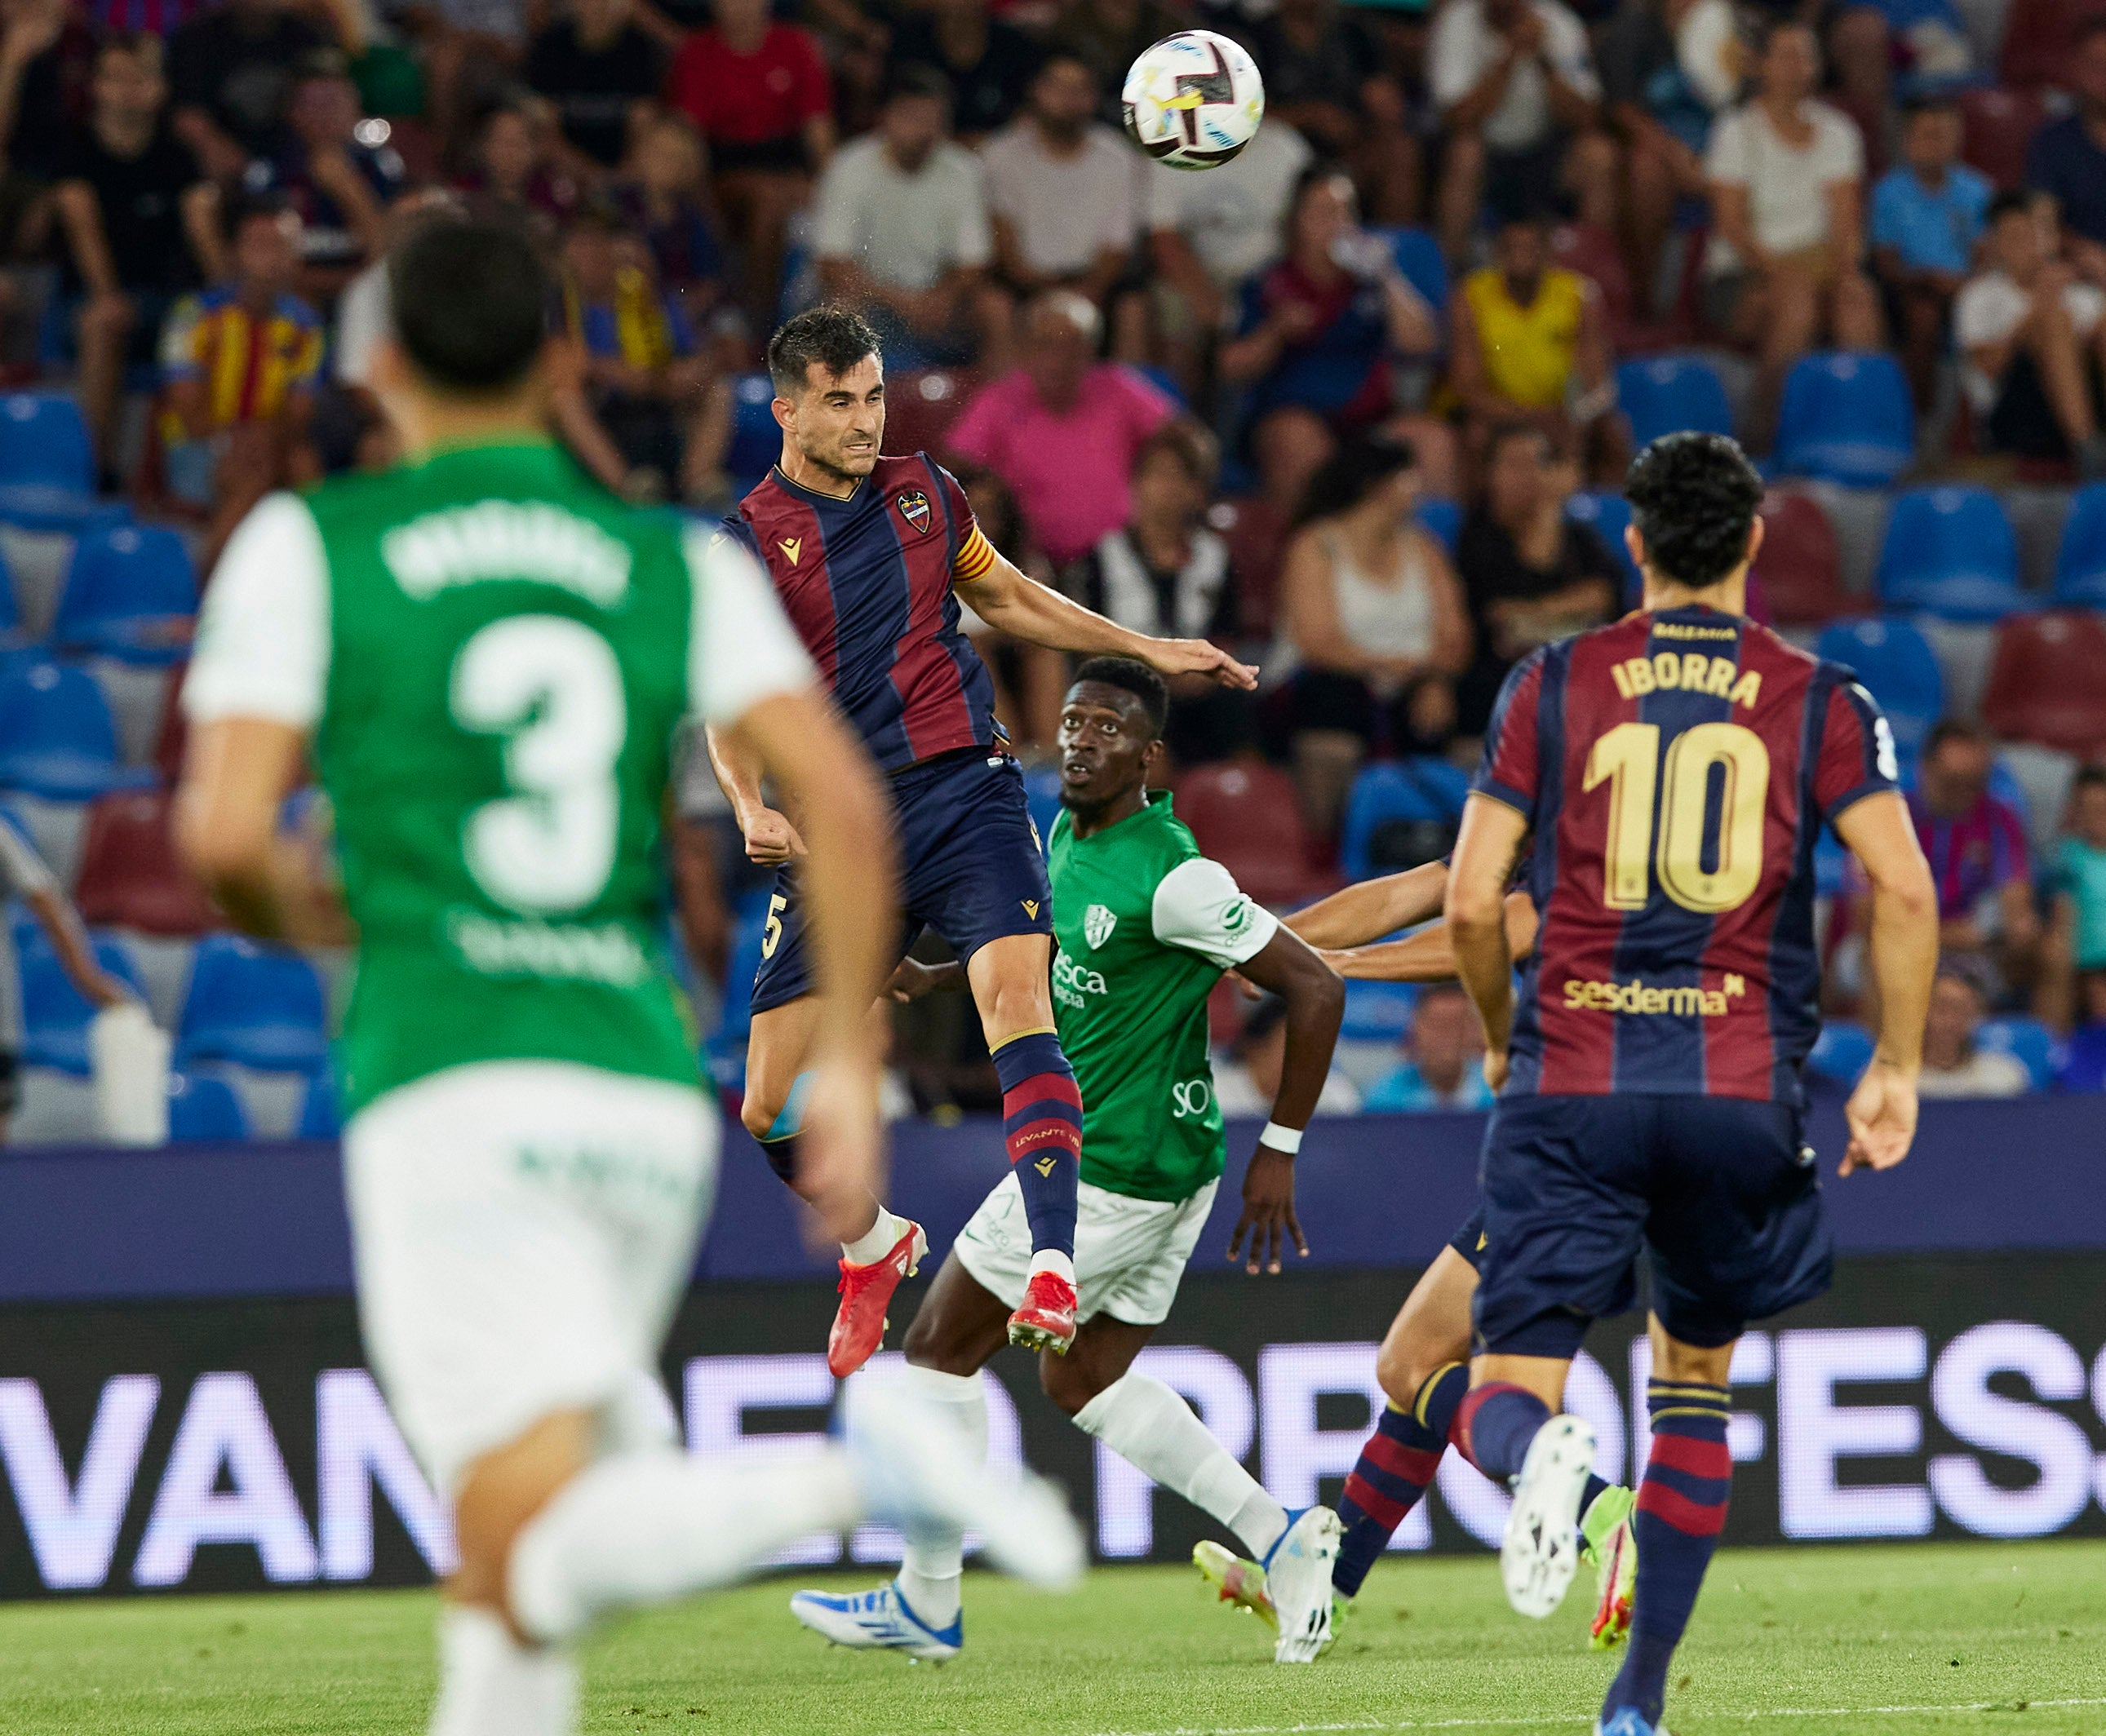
{"x":1953,"y":729}
{"x":2006,"y":204}
{"x":1694,"y":497}
{"x":1131,"y":675}
{"x":835,"y":337}
{"x":470,"y":305}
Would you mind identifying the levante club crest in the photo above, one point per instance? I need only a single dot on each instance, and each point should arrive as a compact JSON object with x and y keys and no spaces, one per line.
{"x":914,"y":508}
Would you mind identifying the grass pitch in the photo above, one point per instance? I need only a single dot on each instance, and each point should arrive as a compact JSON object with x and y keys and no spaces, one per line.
{"x":1875,"y":1642}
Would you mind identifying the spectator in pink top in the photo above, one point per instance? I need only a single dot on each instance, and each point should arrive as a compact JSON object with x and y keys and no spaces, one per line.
{"x":1062,"y":431}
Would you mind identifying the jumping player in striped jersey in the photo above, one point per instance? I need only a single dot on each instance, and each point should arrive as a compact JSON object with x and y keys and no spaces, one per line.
{"x":870,"y":556}
{"x":1675,"y":769}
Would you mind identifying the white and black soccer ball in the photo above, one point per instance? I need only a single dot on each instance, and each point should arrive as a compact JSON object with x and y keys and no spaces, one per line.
{"x":1194,"y":100}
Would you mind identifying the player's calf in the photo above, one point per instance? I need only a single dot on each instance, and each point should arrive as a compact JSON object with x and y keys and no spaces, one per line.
{"x":1393,"y":1472}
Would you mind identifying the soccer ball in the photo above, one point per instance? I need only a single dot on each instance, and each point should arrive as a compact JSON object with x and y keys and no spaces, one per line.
{"x":1194,"y":100}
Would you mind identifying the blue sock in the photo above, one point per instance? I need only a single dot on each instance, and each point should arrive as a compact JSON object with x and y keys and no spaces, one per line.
{"x":1392,"y":1473}
{"x":1681,"y":1510}
{"x":1494,"y":1424}
{"x":1041,"y":1125}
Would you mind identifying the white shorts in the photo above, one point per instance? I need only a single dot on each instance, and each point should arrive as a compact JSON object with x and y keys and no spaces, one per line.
{"x":522,"y":1232}
{"x":1129,"y":1253}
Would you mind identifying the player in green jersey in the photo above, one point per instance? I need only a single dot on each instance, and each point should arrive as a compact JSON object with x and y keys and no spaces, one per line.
{"x":488,"y":657}
{"x":1145,"y":925}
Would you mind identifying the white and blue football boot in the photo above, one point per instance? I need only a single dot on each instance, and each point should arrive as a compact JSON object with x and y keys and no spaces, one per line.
{"x":1627,"y":1721}
{"x":1297,"y":1575}
{"x":877,"y":1621}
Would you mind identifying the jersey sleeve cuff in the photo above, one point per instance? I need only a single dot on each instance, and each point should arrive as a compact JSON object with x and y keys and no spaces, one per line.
{"x":1851,"y":798}
{"x":1504,"y":793}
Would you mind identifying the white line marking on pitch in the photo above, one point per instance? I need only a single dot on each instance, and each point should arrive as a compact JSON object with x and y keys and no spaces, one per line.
{"x":1488,"y":1724}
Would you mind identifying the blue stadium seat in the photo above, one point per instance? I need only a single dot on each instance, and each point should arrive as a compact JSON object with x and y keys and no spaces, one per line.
{"x":1841,"y":1052}
{"x":1608,"y":515}
{"x":1418,"y":257}
{"x":1443,"y":518}
{"x":1421,"y":790}
{"x":1673,"y":394}
{"x":1898,"y":668}
{"x":1041,"y":793}
{"x":2084,"y":1063}
{"x":56,"y":738}
{"x":11,"y":617}
{"x":46,"y":462}
{"x":756,"y":440}
{"x":2079,"y":568}
{"x":1950,"y":552}
{"x":2029,"y":1041}
{"x":1164,"y":382}
{"x":131,"y":591}
{"x":1377,"y":1012}
{"x":202,"y":1107}
{"x":1846,"y":418}
{"x":55,"y":1014}
{"x":319,"y":1119}
{"x":256,"y":1006}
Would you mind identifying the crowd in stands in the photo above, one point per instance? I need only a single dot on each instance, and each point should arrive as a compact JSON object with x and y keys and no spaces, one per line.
{"x":1355,"y":403}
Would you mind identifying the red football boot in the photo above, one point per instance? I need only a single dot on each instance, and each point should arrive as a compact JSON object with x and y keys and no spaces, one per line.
{"x":1047,"y":1319}
{"x":865,"y":1293}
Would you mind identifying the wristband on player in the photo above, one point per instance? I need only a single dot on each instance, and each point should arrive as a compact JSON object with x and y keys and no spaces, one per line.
{"x":1287,"y":1139}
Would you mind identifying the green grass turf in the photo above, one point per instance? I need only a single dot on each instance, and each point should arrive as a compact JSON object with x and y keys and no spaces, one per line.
{"x":1875,"y":1642}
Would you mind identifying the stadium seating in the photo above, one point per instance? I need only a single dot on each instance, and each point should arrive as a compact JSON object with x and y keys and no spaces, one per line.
{"x":1847,"y":419}
{"x":2080,"y":564}
{"x":11,"y":614}
{"x":1841,"y":1052}
{"x":318,"y":1117}
{"x":202,"y":1107}
{"x":1593,"y":253}
{"x":1395,"y":811}
{"x":920,"y":408}
{"x":1041,"y":793}
{"x":2048,"y":684}
{"x":55,"y":1014}
{"x":46,"y":462}
{"x":1672,"y":395}
{"x":130,"y":877}
{"x":756,"y":438}
{"x":256,"y":1006}
{"x":1247,"y":815}
{"x":1608,"y":515}
{"x":2028,"y":1042}
{"x":2039,"y":38}
{"x":1418,"y":257}
{"x":2084,"y":1060}
{"x":1898,"y":667}
{"x":1377,"y":1012}
{"x":1444,"y":519}
{"x":1800,"y":567}
{"x":2000,"y":125}
{"x":1950,"y":552}
{"x":56,"y":738}
{"x":130,"y":593}
{"x":1256,"y":532}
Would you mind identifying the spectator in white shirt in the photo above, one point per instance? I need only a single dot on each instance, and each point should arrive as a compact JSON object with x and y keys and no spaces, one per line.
{"x":1954,"y":1064}
{"x":903,"y":233}
{"x":1062,"y":189}
{"x":1514,"y":80}
{"x":2032,"y":342}
{"x":1786,"y":267}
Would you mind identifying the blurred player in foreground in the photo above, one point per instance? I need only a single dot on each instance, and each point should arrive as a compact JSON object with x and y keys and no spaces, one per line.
{"x":490,"y":657}
{"x":1674,"y":768}
{"x":1146,"y":926}
{"x":1423,"y":1362}
{"x":870,"y":556}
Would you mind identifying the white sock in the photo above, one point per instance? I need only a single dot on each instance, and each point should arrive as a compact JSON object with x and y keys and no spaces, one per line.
{"x":876,"y":1241}
{"x":929,"y":1575}
{"x":491,"y":1685}
{"x":645,"y":1527}
{"x":1053,"y":1260}
{"x":1146,"y":1424}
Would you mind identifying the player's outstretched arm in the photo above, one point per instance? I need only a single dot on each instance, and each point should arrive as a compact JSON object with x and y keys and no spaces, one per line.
{"x":1903,"y":948}
{"x":1366,"y":911}
{"x":1316,"y":1003}
{"x":1485,"y":851}
{"x":1429,"y":956}
{"x":1012,"y":600}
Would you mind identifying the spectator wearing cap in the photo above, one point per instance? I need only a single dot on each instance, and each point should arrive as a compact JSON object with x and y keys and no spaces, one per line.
{"x":232,"y":70}
{"x":1444,"y":1055}
{"x":901,"y":231}
{"x":1927,"y":215}
{"x":989,"y":63}
{"x":1325,"y":76}
{"x":600,"y":68}
{"x":340,"y":183}
{"x":1245,"y":1083}
{"x":1975,"y":842}
{"x":2068,"y":157}
{"x":1520,"y":107}
{"x":1063,"y":429}
{"x":1788,"y":209}
{"x":1954,"y":1064}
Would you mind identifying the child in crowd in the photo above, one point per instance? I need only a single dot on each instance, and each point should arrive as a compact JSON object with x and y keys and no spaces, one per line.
{"x":1927,"y":212}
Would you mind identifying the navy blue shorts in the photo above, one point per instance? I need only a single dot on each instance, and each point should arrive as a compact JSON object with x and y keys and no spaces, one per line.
{"x":971,"y":867}
{"x":1472,"y":1241}
{"x":1720,"y":1192}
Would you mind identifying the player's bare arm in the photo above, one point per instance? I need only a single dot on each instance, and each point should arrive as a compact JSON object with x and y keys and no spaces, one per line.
{"x":1315,"y":1002}
{"x":1366,"y":911}
{"x":1429,"y":956}
{"x":1006,"y":598}
{"x":1904,"y":947}
{"x":771,"y":836}
{"x":1486,"y":851}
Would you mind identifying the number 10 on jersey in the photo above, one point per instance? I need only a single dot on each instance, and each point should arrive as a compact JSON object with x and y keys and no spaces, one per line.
{"x":1628,"y":759}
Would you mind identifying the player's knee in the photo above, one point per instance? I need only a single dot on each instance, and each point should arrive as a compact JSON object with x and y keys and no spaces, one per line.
{"x":1069,"y":1383}
{"x":757,"y":1114}
{"x":503,"y":1493}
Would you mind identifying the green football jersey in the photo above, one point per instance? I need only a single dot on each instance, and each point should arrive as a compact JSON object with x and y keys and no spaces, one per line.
{"x":493,"y":655}
{"x":1146,"y":926}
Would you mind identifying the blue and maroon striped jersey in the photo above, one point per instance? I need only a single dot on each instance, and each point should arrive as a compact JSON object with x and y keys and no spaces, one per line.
{"x":1675,"y":770}
{"x":867,"y":582}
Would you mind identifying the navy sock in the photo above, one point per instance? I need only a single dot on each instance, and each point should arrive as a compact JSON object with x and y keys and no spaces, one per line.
{"x":1494,"y":1424}
{"x":778,"y":1145}
{"x":1681,"y":1510}
{"x":1393,"y":1470}
{"x":1041,"y":1125}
